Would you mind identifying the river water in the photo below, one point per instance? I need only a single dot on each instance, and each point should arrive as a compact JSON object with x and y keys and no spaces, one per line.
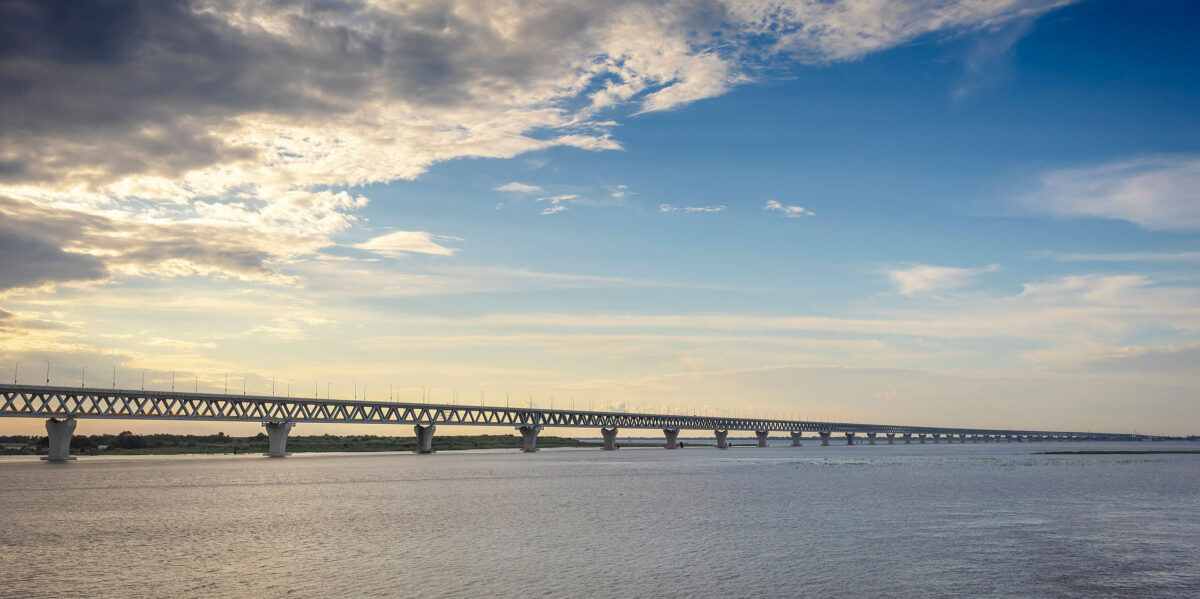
{"x":974,"y":520}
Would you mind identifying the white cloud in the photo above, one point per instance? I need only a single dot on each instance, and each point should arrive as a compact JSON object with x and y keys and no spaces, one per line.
{"x":1157,"y":193}
{"x":557,"y":203}
{"x":299,"y":98}
{"x":924,"y":278}
{"x":785,"y":210}
{"x":519,"y":187}
{"x":690,"y":209}
{"x":398,"y":243}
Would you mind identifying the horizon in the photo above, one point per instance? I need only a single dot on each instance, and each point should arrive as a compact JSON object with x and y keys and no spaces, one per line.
{"x":979,"y":215}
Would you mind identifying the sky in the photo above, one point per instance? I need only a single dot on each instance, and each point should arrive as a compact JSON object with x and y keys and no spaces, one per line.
{"x":963,"y":213}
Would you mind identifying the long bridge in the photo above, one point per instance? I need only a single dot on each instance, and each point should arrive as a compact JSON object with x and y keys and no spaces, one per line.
{"x":62,"y":406}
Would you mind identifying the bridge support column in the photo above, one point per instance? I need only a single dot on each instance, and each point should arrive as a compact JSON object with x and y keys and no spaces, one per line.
{"x":871,"y":438}
{"x":672,"y":438}
{"x":891,"y":438}
{"x":277,"y":433}
{"x":921,"y":437}
{"x":762,"y":437}
{"x":908,"y":438}
{"x":721,"y":436}
{"x":796,"y":438}
{"x":610,"y":438}
{"x":824,"y":438}
{"x":1020,"y":439}
{"x":936,"y":437}
{"x":529,"y":433}
{"x":849,"y":438}
{"x":424,"y":438}
{"x":59,"y":432}
{"x":962,"y":438}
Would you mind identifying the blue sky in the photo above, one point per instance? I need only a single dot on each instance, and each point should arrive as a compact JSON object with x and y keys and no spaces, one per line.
{"x":910,"y":211}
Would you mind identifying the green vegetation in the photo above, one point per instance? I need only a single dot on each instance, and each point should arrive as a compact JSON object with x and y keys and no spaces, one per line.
{"x":128,"y":443}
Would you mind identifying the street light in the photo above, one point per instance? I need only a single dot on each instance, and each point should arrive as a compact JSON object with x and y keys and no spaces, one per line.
{"x":16,"y":369}
{"x":172,"y":381}
{"x":47,"y":372}
{"x":83,"y":377}
{"x":114,"y":377}
{"x":289,"y":388}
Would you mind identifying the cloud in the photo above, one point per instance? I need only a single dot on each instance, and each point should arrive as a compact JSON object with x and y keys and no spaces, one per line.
{"x":924,"y":278}
{"x":787,"y":211}
{"x":691,"y":209}
{"x":557,"y":202}
{"x":211,"y":137}
{"x":1157,"y":193}
{"x":398,"y":243}
{"x":519,"y":188}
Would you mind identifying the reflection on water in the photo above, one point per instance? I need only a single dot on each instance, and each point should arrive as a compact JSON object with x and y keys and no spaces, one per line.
{"x":941,"y":521}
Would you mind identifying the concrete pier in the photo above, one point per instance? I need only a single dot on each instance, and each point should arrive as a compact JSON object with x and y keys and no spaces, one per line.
{"x":672,"y":438}
{"x":936,"y":437}
{"x":529,"y":433}
{"x":762,"y":437}
{"x":921,"y":436}
{"x":891,"y":438}
{"x":424,"y":438}
{"x":277,"y":434}
{"x":908,"y":438}
{"x":871,"y":438}
{"x":59,"y":432}
{"x":721,"y":436}
{"x":824,"y":438}
{"x":610,"y":438}
{"x":962,"y":438}
{"x":796,"y":438}
{"x":849,"y":438}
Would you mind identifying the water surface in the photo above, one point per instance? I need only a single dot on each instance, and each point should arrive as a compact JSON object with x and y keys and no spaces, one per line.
{"x":973,"y":520}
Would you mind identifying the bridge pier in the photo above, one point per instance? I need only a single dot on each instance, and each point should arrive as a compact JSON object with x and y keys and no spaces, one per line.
{"x":891,"y":438}
{"x":529,"y":433}
{"x":672,"y":438}
{"x":871,"y":438}
{"x":936,"y":437}
{"x":277,"y":434}
{"x":849,"y":438}
{"x":424,"y":438}
{"x":908,"y":438}
{"x":824,"y":438}
{"x":796,"y":438}
{"x":610,"y":438}
{"x":59,"y":432}
{"x":962,"y":438}
{"x":921,"y":436}
{"x":762,"y":437}
{"x":721,"y":436}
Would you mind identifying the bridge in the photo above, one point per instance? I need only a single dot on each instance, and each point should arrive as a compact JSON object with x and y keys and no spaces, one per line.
{"x":63,"y":406}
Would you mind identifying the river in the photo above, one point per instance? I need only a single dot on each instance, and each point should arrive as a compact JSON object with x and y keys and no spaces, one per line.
{"x":973,"y":520}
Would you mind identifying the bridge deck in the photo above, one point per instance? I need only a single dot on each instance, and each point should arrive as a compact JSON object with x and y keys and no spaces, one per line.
{"x":37,"y":401}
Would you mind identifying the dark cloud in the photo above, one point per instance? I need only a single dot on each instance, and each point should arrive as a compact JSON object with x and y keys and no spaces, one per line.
{"x":29,"y":257}
{"x":41,"y":245}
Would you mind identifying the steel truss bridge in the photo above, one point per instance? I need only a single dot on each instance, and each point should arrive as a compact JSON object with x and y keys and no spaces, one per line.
{"x":36,"y":401}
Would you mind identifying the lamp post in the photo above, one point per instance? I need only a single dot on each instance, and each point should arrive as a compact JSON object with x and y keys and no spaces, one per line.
{"x":83,"y":377}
